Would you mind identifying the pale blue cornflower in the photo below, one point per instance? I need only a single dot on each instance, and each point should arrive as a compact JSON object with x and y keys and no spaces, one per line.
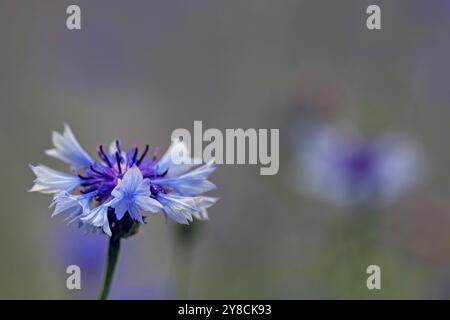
{"x":113,"y":194}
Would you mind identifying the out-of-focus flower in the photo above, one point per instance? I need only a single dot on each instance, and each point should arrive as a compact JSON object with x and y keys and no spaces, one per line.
{"x":112,"y":194}
{"x":87,"y":252}
{"x":348,"y":169}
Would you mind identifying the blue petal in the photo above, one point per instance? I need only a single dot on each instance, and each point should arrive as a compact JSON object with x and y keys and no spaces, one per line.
{"x":68,"y":149}
{"x":204,"y":203}
{"x":132,"y":194}
{"x":192,"y":183}
{"x":120,"y":208}
{"x":132,"y":184}
{"x":148,"y":204}
{"x":53,"y":181}
{"x":135,"y":214}
{"x":179,"y":151}
{"x":65,"y":203}
{"x":98,"y":218}
{"x":179,"y":209}
{"x":72,"y":205}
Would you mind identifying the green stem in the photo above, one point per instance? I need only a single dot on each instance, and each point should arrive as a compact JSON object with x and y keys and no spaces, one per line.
{"x":113,"y":254}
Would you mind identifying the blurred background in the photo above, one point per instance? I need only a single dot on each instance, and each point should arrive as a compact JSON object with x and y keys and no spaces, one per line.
{"x":363,"y":118}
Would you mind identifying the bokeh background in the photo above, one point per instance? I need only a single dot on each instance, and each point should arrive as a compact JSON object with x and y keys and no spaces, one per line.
{"x":140,"y":69}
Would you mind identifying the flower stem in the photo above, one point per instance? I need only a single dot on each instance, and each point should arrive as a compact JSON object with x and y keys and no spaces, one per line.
{"x":111,"y":262}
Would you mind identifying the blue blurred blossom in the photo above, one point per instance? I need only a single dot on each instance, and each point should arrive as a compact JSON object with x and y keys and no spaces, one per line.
{"x":87,"y":252}
{"x":111,"y":194}
{"x":348,"y":169}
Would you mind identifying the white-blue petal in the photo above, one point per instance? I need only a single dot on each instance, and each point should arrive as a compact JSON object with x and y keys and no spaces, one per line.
{"x":179,"y":151}
{"x":52,"y":181}
{"x":120,"y":208}
{"x":131,"y":184}
{"x":132,"y":194}
{"x":192,"y":183}
{"x":204,"y":203}
{"x":71,"y":205}
{"x":135,"y":214}
{"x":68,"y":149}
{"x":66,"y":203}
{"x":98,"y":218}
{"x":178,"y":208}
{"x":148,"y":204}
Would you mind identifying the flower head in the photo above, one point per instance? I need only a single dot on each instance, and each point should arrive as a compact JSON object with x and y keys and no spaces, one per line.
{"x":112,"y":194}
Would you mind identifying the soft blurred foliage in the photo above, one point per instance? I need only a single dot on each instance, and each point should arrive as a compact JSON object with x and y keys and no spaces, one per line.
{"x":140,"y":69}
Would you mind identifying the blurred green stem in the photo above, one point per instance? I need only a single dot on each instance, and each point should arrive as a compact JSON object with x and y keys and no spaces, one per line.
{"x":357,"y":248}
{"x":182,"y":261}
{"x":111,"y":262}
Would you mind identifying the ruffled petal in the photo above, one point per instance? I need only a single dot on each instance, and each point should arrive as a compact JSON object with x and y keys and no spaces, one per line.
{"x":179,"y":209}
{"x":135,"y":214}
{"x":132,"y":184}
{"x":68,"y":149}
{"x":192,"y":183}
{"x":71,"y":205}
{"x":132,"y":194}
{"x":98,"y":218}
{"x":177,"y":151}
{"x":120,"y":208}
{"x":148,"y":204}
{"x":66,"y":203}
{"x":52,"y":181}
{"x":204,"y":203}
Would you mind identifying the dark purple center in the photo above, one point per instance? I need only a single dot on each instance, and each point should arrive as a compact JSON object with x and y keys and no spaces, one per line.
{"x":101,"y":177}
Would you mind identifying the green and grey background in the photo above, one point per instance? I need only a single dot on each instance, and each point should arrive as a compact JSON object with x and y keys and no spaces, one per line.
{"x":140,"y":69}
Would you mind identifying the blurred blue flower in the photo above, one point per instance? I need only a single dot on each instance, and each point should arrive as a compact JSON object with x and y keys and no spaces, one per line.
{"x":111,"y":194}
{"x":348,"y":169}
{"x":87,"y":252}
